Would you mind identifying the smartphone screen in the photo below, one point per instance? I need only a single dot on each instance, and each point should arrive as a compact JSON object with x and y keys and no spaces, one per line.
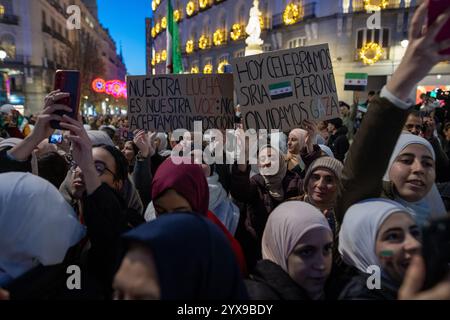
{"x":68,"y":81}
{"x":436,"y":8}
{"x":55,"y":139}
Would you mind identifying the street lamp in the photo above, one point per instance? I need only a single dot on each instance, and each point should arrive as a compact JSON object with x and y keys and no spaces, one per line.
{"x":3,"y":55}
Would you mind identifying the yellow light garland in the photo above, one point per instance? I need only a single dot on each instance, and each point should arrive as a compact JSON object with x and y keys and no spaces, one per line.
{"x":158,"y":57}
{"x":195,"y":69}
{"x":221,"y":66}
{"x":153,"y":32}
{"x":375,"y":7}
{"x":208,"y":68}
{"x":164,"y":55}
{"x":164,"y":22}
{"x":153,"y":61}
{"x":219,"y":37}
{"x":203,"y":3}
{"x":292,"y":14}
{"x":190,"y":8}
{"x":153,"y":5}
{"x":158,"y":2}
{"x":189,"y":46}
{"x":236,"y":31}
{"x":371,"y":53}
{"x":203,"y":42}
{"x":177,"y":15}
{"x":157,"y":27}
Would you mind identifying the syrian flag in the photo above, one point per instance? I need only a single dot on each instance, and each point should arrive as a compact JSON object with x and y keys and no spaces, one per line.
{"x":280,"y":90}
{"x":173,"y":62}
{"x":355,"y":81}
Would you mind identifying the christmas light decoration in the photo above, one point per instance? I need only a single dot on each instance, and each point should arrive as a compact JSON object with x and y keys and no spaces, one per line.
{"x":164,"y":23}
{"x":98,"y":85}
{"x":154,"y":5}
{"x":194,"y":69}
{"x":203,"y":42}
{"x":177,"y":15}
{"x":203,"y":4}
{"x":153,"y":32}
{"x":208,"y":68}
{"x":221,"y":66}
{"x":153,"y":61}
{"x":190,"y":8}
{"x":164,"y":55}
{"x":237,"y":30}
{"x":158,"y":57}
{"x":157,"y":27}
{"x":371,"y":53}
{"x":375,"y":7}
{"x":219,"y":37}
{"x":292,"y":14}
{"x":189,"y":46}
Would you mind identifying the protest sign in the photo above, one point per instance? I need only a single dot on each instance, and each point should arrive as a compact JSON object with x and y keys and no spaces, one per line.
{"x":280,"y":89}
{"x":167,"y":102}
{"x":355,"y":81}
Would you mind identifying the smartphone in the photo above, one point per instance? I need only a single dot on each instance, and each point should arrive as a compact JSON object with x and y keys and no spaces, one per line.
{"x":436,"y":8}
{"x":68,"y":81}
{"x":55,"y":138}
{"x":436,"y":250}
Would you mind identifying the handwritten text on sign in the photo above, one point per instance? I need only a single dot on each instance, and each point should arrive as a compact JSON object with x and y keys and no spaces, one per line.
{"x":169,"y":102}
{"x":278,"y":90}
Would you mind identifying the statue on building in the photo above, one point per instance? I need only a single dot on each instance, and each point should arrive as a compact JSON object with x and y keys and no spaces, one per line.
{"x":253,"y":29}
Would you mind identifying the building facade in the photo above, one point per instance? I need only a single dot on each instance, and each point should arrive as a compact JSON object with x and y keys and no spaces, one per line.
{"x":35,"y":36}
{"x":212,"y":32}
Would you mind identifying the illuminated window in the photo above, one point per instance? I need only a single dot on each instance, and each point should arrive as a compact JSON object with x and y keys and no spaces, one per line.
{"x":381,"y":37}
{"x":2,"y":10}
{"x":297,"y":42}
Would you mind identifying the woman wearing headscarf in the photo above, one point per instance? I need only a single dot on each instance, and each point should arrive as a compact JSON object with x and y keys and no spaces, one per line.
{"x":322,"y":185}
{"x":178,"y":256}
{"x":378,"y":233}
{"x":37,"y":229}
{"x":410,"y":178}
{"x":296,"y":250}
{"x":182,"y":186}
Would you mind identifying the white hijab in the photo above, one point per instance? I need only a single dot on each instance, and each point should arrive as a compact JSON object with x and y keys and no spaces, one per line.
{"x":162,"y":149}
{"x":431,"y":206}
{"x":37,"y":226}
{"x":357,"y":237}
{"x":286,"y":226}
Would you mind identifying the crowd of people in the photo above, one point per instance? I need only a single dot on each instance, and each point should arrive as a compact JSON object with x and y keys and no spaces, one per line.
{"x":350,"y":194}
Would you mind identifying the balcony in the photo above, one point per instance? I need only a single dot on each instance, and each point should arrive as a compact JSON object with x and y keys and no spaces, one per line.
{"x":308,"y":9}
{"x":358,"y":5}
{"x":9,"y":19}
{"x":55,"y":35}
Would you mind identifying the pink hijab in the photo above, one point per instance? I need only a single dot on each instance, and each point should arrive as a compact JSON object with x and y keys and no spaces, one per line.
{"x":286,"y":226}
{"x":300,"y":134}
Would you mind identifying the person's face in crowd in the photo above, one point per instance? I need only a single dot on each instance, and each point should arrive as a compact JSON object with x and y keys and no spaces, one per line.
{"x":414,"y":124}
{"x":309,"y":264}
{"x":344,"y":110}
{"x":106,"y":169}
{"x":447,"y":134}
{"x":331,"y":128}
{"x":171,"y":201}
{"x":322,"y":188}
{"x":413,"y":172}
{"x":128,"y":151}
{"x":398,"y":240}
{"x":268,"y":162}
{"x":293,"y":144}
{"x":137,"y":277}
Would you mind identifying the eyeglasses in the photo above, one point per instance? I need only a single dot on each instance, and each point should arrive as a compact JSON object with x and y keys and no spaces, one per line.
{"x":100,"y":167}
